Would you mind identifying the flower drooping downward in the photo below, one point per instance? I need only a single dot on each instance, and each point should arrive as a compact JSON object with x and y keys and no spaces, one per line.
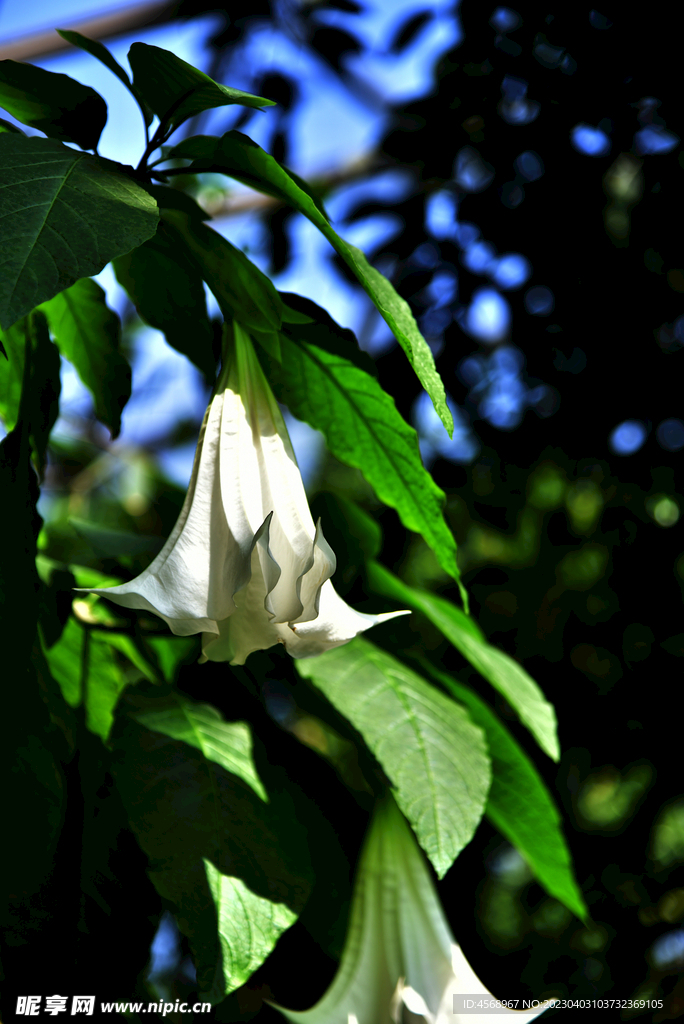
{"x":400,"y":962}
{"x":244,"y":564}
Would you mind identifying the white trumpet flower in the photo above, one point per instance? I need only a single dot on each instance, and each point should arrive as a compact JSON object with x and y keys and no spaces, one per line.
{"x":400,"y":962}
{"x":244,"y":564}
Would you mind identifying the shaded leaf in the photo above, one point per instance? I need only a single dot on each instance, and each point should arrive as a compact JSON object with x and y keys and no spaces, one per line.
{"x":108,"y":543}
{"x":506,"y":675}
{"x":322,"y":381}
{"x":432,"y":753}
{"x":239,"y":157}
{"x":11,"y":372}
{"x":39,"y":406}
{"x":172,"y":652}
{"x":7,"y":126}
{"x":186,"y":809}
{"x":55,"y":104}
{"x":228,"y":744}
{"x":520,"y":806}
{"x":166,"y":288}
{"x":175,"y":90}
{"x":88,"y":333}
{"x":64,"y":215}
{"x":240,"y":288}
{"x":101,"y":53}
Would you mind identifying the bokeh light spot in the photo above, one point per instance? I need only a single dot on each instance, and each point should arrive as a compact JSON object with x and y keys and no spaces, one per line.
{"x":628,"y":437}
{"x":670,"y":435}
{"x":539,"y":301}
{"x":529,"y":166}
{"x":511,"y":271}
{"x":654,"y":140}
{"x":488,"y":317}
{"x":505,"y":20}
{"x":590,"y":141}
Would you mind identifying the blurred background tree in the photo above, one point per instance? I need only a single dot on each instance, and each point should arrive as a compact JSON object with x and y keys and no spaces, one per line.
{"x":516,"y":172}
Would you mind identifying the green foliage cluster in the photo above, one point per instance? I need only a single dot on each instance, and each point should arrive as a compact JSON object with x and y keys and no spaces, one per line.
{"x":224,"y":851}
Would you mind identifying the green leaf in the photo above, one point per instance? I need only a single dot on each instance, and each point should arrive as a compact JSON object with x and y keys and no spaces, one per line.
{"x":241,"y":290}
{"x":172,"y":652}
{"x":7,"y":126}
{"x":134,"y":651}
{"x":176,"y":90}
{"x":228,"y":744}
{"x":520,"y":806}
{"x":88,"y":333}
{"x":432,"y":753}
{"x":107,"y":543}
{"x":63,"y":215}
{"x":322,"y":383}
{"x":499,"y":669}
{"x":166,"y":287}
{"x":186,"y":809}
{"x":87,"y":673}
{"x":102,"y":54}
{"x":40,"y":405}
{"x":236,"y":155}
{"x":248,"y":926}
{"x":55,"y":104}
{"x":11,"y":372}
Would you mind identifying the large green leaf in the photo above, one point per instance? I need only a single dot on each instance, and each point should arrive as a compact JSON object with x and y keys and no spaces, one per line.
{"x":499,"y":669}
{"x":55,"y":104}
{"x":236,"y":155}
{"x":63,"y":216}
{"x":241,"y":290}
{"x":166,"y":287}
{"x":520,"y":805}
{"x":87,"y":672}
{"x":102,"y":54}
{"x":88,"y":333}
{"x":228,"y":744}
{"x":321,"y":381}
{"x":176,"y":90}
{"x":187,"y":810}
{"x":432,"y":753}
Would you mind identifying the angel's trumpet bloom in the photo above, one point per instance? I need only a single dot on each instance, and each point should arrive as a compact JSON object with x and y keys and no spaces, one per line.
{"x":244,"y":564}
{"x":400,"y":962}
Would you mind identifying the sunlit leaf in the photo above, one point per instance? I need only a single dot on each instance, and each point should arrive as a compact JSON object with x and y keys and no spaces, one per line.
{"x":228,"y":744}
{"x":239,"y":157}
{"x":248,"y":925}
{"x":187,"y":810}
{"x":432,"y":753}
{"x":63,"y":216}
{"x":88,"y":333}
{"x":55,"y":104}
{"x":323,"y":381}
{"x":520,"y":805}
{"x":498,"y":668}
{"x":87,"y":672}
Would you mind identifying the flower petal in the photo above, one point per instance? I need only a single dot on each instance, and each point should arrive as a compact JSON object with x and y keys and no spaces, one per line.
{"x":191,"y":582}
{"x":335,"y":625}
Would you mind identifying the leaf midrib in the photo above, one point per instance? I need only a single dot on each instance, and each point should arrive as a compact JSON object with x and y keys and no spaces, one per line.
{"x":369,"y":424}
{"x":36,"y":240}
